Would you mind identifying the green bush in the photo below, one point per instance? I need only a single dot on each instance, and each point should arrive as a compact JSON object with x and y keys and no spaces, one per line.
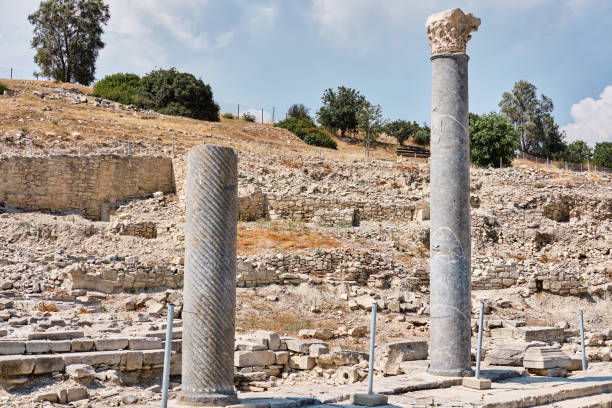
{"x":298,"y":111}
{"x":122,"y":88}
{"x":3,"y":88}
{"x":298,"y":127}
{"x":178,"y":93}
{"x":319,"y":137}
{"x":228,"y":116}
{"x":249,"y":117}
{"x":603,"y":154}
{"x":492,"y":137}
{"x":422,"y":136}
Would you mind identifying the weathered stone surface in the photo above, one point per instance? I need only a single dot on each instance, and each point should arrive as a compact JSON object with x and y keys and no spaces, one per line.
{"x":79,"y":371}
{"x":254,"y":358}
{"x":449,"y":31}
{"x":81,"y":345}
{"x":509,"y":353}
{"x":545,"y":357}
{"x":144,"y":343}
{"x":272,"y":339}
{"x":388,"y":357}
{"x":63,"y":335}
{"x":476,"y":383}
{"x":12,"y":347}
{"x":110,"y":344}
{"x":48,"y":364}
{"x":369,"y":400}
{"x":301,"y":362}
{"x":17,"y":365}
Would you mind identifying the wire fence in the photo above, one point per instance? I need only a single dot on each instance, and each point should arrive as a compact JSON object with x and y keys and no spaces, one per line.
{"x":545,"y":162}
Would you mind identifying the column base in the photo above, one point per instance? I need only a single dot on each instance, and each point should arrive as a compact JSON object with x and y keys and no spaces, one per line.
{"x":205,"y":400}
{"x":466,"y":372}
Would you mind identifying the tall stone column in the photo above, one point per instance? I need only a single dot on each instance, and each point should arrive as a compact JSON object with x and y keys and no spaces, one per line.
{"x":210,"y":277}
{"x":450,"y":248}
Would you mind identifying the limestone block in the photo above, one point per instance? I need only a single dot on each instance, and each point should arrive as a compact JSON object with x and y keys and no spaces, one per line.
{"x":323,"y":333}
{"x":134,"y":360}
{"x":369,"y":400}
{"x":317,"y":350}
{"x":50,"y":396}
{"x":144,"y":343}
{"x":254,"y":358}
{"x":80,"y":371}
{"x":509,"y":353}
{"x":76,"y":394}
{"x":545,"y":357}
{"x":20,"y":365}
{"x":300,"y":346}
{"x":12,"y":347}
{"x":301,"y":362}
{"x":81,"y":345}
{"x":63,"y":335}
{"x":37,"y":346}
{"x":152,"y":357}
{"x":48,"y":364}
{"x":60,"y":346}
{"x":282,"y":357}
{"x":96,"y":358}
{"x":272,"y":338}
{"x":348,"y":374}
{"x":389,"y":356}
{"x":117,"y":343}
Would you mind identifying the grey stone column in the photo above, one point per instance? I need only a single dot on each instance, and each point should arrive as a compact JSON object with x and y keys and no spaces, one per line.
{"x":210,"y":277}
{"x":450,"y":246}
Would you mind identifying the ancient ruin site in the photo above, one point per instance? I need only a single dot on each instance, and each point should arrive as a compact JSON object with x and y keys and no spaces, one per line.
{"x":273,"y":259}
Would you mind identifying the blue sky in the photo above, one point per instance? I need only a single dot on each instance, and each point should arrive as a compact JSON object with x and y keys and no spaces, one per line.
{"x":272,"y":53}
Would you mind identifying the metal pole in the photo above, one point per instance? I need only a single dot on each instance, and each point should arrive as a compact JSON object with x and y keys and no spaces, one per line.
{"x":372,"y":341}
{"x":238,"y":111}
{"x":500,"y":162}
{"x":320,"y":152}
{"x":167,"y":353}
{"x":30,"y":144}
{"x":172,"y":147}
{"x":261,"y":115}
{"x":273,"y":109}
{"x":479,"y":349}
{"x":584,"y":362}
{"x":11,"y":73}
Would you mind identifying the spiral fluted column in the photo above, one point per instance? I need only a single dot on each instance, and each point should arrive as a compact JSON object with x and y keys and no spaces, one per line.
{"x":210,"y":277}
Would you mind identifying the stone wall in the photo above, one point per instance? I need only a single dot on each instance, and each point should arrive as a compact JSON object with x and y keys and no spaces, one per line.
{"x":144,"y":229}
{"x":88,"y":184}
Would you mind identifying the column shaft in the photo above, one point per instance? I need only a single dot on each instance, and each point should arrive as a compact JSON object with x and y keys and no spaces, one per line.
{"x":450,"y":248}
{"x":210,"y":277}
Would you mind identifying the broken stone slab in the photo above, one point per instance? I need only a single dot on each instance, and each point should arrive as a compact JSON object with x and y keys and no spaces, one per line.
{"x":245,"y":346}
{"x":50,"y":396}
{"x":80,"y":371}
{"x":48,"y":364}
{"x":47,"y":346}
{"x":317,"y":350}
{"x":78,"y":345}
{"x":300,"y":346}
{"x":254,"y":358}
{"x":388,"y":357}
{"x":271,"y":338}
{"x":545,"y":357}
{"x":301,"y":362}
{"x":282,"y":357}
{"x":509,"y":353}
{"x":95,"y":358}
{"x":476,"y":383}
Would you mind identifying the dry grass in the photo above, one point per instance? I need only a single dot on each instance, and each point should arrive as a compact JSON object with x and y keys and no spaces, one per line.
{"x":253,"y":241}
{"x":48,"y":307}
{"x":98,"y":125}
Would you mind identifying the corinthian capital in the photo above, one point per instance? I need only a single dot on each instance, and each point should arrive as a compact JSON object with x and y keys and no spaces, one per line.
{"x":449,"y":31}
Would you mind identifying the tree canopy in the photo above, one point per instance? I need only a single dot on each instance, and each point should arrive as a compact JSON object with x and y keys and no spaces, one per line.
{"x":602,"y":156}
{"x":298,"y":111}
{"x":178,"y":93}
{"x":67,"y":38}
{"x":532,"y":118}
{"x":492,"y":137}
{"x":578,"y":152}
{"x":339,"y":109}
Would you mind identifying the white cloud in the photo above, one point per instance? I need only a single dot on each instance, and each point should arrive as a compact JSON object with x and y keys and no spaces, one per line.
{"x":592,"y":119}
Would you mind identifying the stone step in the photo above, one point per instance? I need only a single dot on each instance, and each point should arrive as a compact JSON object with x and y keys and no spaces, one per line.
{"x":161,"y":334}
{"x":592,"y":401}
{"x":28,"y":347}
{"x":15,"y":365}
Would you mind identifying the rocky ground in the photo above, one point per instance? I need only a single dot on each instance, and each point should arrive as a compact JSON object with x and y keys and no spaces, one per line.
{"x":541,"y":250}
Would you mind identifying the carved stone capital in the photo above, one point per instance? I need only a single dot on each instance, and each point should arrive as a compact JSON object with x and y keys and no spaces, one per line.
{"x":449,"y":31}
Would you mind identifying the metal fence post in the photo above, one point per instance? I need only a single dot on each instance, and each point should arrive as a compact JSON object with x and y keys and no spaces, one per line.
{"x":372,"y":341}
{"x":173,"y":147}
{"x":30,"y":144}
{"x":584,"y":362}
{"x":479,"y":349}
{"x":167,"y":353}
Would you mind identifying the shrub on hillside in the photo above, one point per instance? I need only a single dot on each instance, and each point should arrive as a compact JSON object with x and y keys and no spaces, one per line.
{"x":298,"y":111}
{"x":122,"y":88}
{"x":249,"y":117}
{"x":228,"y":116}
{"x":319,"y":137}
{"x":422,"y":136}
{"x":178,"y":93}
{"x":298,"y":127}
{"x":3,"y":88}
{"x":492,"y":137}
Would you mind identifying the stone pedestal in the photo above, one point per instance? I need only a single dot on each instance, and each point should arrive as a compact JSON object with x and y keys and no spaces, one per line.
{"x":210,"y":277}
{"x":450,"y":247}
